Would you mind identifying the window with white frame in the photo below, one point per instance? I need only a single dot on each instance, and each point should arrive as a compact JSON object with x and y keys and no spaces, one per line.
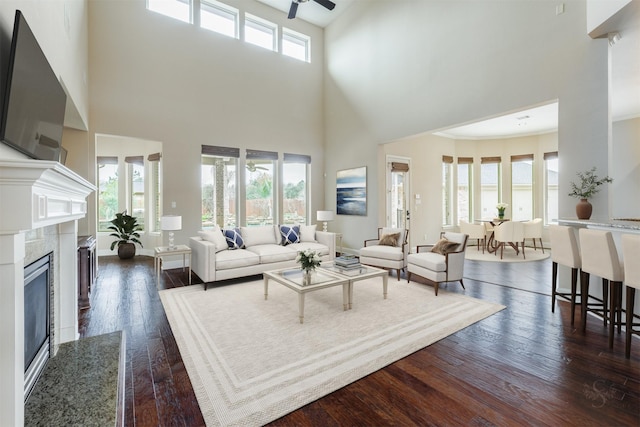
{"x":551,"y":188}
{"x":107,"y":190}
{"x":260,"y":32}
{"x":447,"y":187}
{"x":260,"y":202}
{"x":490,"y":179}
{"x":219,"y":17}
{"x":465,"y":184}
{"x":295,"y":170}
{"x":155,"y":193}
{"x":136,"y":202}
{"x":219,"y":174}
{"x":296,"y":45}
{"x":522,"y":187}
{"x":177,"y":9}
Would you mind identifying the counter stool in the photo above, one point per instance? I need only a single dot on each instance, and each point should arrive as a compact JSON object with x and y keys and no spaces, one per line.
{"x":600,"y":257}
{"x":630,"y":250}
{"x":565,"y":251}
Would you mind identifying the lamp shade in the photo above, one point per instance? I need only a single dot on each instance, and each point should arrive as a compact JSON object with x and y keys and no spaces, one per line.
{"x":171,"y":222}
{"x":325,"y":215}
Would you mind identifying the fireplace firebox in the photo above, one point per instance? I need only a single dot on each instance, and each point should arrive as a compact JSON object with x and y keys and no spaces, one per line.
{"x":37,"y":319}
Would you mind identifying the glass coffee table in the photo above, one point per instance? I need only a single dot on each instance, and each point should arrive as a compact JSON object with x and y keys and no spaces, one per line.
{"x":355,"y":274}
{"x":293,"y":278}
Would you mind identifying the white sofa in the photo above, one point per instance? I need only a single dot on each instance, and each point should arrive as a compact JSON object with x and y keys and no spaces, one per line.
{"x":213,"y":260}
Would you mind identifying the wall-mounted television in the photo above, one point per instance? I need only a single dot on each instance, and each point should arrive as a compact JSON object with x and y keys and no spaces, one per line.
{"x":34,"y":100}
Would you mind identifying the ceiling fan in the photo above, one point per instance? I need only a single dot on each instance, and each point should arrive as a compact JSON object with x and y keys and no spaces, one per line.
{"x":251,"y":167}
{"x":294,"y":6}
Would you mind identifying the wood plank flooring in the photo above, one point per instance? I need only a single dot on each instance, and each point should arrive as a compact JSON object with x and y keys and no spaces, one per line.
{"x":522,"y":366}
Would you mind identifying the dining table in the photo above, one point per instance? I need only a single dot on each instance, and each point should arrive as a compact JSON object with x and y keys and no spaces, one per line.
{"x":492,"y":245}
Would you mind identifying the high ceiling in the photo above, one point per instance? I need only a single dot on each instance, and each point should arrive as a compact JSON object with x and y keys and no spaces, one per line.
{"x":625,"y":58}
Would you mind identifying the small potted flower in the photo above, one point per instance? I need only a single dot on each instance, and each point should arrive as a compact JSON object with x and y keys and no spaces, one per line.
{"x":501,"y":207}
{"x":588,"y":185}
{"x":308,"y":261}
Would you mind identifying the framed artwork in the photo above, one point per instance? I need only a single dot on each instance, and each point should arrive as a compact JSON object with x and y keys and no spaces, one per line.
{"x":351,"y":191}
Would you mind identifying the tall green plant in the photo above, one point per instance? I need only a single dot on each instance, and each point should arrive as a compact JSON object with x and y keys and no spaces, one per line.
{"x":125,"y":229}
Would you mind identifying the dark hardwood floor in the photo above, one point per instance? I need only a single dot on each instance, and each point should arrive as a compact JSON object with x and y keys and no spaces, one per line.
{"x":522,"y":366}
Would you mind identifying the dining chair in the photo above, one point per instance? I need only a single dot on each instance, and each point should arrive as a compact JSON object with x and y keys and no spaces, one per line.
{"x":509,"y":232}
{"x":475,"y":231}
{"x":533,"y":230}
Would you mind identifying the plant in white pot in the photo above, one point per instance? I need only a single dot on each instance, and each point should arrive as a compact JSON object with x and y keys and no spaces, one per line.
{"x":589,"y":184}
{"x":125,"y":229}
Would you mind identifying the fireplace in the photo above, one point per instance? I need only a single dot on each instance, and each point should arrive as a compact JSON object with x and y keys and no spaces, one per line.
{"x":37,"y":319}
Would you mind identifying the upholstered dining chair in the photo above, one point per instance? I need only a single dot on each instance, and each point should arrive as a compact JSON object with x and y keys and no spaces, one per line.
{"x":441,"y":262}
{"x":475,"y":231}
{"x":564,"y":251}
{"x":533,"y":230}
{"x":600,"y":258}
{"x":630,"y":251}
{"x":509,"y":232}
{"x":388,"y":251}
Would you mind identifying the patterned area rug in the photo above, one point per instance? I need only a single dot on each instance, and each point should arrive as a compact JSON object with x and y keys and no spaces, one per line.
{"x":509,"y":255}
{"x":250,"y":360}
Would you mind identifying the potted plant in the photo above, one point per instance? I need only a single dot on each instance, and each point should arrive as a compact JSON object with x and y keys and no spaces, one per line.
{"x":125,"y":229}
{"x":588,"y":185}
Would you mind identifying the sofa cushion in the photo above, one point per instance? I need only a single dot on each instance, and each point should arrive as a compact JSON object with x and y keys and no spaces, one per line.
{"x":385,"y":252}
{"x":308,"y":233}
{"x":314,"y":246}
{"x":236,"y":259}
{"x":272,"y":253}
{"x":260,"y":235}
{"x":233,"y":238}
{"x":429,"y":260}
{"x":290,"y":234}
{"x":214,"y":236}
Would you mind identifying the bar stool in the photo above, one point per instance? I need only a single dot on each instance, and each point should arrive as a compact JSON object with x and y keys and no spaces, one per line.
{"x":630,"y":251}
{"x":600,"y":257}
{"x":565,"y":251}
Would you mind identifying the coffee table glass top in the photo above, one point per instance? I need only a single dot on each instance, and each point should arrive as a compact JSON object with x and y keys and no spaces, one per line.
{"x":296,"y":276}
{"x":362,"y":270}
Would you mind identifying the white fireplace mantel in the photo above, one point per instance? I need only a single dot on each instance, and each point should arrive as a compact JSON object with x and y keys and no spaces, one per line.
{"x":35,"y":194}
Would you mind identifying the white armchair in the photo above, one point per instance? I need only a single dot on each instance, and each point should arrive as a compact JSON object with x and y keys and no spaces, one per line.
{"x":388,"y":251}
{"x":440,"y":267}
{"x":475,"y":231}
{"x":511,"y":232}
{"x":533,"y":230}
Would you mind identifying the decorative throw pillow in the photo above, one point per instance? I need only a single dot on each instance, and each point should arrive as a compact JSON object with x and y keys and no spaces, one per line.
{"x":216,"y":237}
{"x":260,"y":235}
{"x":444,"y":246}
{"x":389,"y":239}
{"x":290,"y":234}
{"x":308,"y":233}
{"x":234,"y":238}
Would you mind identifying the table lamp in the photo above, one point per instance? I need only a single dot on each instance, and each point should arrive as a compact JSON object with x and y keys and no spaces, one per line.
{"x":171,"y":223}
{"x":325,"y":216}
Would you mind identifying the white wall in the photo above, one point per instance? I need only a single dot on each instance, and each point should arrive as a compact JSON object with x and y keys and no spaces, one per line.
{"x":156,"y":78}
{"x":625,"y":189}
{"x":401,"y":68}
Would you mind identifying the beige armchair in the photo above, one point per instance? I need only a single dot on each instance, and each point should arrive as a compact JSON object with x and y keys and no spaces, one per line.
{"x":511,"y":232}
{"x":388,"y":251}
{"x":446,"y":265}
{"x":475,"y":231}
{"x":533,"y":230}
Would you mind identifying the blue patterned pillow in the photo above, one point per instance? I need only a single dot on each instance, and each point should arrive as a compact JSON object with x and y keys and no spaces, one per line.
{"x":290,"y":234}
{"x":234,"y":238}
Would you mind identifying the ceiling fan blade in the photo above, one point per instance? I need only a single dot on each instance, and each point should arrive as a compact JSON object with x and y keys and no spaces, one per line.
{"x":293,"y":10}
{"x":326,"y":3}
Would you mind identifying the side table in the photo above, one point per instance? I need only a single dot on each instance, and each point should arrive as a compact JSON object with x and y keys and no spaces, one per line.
{"x":162,"y":251}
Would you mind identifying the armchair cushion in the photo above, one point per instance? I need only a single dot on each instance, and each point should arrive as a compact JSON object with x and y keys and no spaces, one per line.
{"x":444,"y":246}
{"x":392,"y":253}
{"x":389,"y":239}
{"x":429,"y":260}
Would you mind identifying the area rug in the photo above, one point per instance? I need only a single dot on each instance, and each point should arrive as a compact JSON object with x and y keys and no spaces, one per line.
{"x":509,"y":255}
{"x":250,"y":361}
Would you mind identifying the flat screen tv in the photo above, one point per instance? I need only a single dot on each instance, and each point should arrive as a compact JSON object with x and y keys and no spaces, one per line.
{"x":34,"y":100}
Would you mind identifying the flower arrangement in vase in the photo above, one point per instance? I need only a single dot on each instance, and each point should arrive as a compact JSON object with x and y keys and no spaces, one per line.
{"x":308,"y":261}
{"x":501,"y":207}
{"x":589,"y":184}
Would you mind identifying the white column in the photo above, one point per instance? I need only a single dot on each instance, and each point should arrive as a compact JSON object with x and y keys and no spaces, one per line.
{"x":12,"y":329}
{"x":67,"y":294}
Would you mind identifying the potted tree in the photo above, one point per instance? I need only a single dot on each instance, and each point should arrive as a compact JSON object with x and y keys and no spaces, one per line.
{"x":125,"y":229}
{"x":587,"y":186}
